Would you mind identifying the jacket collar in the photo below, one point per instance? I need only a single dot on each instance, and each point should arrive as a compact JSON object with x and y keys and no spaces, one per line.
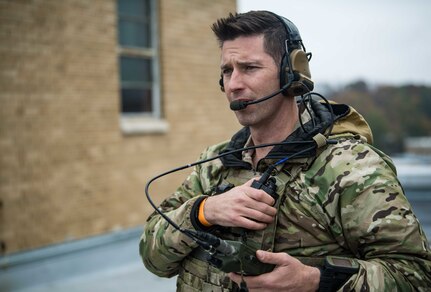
{"x":295,"y":142}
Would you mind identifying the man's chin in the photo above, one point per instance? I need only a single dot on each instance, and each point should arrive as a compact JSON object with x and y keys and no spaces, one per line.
{"x":245,"y":121}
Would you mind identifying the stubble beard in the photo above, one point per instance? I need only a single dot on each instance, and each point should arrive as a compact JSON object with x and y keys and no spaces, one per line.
{"x":256,"y":115}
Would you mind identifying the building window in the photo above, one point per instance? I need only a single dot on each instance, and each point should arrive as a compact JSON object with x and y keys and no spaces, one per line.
{"x":139,"y":65}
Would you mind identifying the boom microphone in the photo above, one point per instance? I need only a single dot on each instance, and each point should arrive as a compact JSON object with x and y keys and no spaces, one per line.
{"x":237,"y":105}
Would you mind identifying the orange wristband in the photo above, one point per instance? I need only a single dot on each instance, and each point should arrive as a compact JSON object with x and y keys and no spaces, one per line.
{"x":201,"y":216}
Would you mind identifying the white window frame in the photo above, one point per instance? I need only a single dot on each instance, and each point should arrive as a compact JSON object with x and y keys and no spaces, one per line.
{"x":146,"y":122}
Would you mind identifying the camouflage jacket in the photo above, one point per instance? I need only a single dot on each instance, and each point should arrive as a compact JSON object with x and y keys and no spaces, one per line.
{"x":341,"y":199}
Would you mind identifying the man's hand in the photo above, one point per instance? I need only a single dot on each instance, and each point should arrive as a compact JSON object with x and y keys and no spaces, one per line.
{"x":242,"y":206}
{"x":289,"y":274}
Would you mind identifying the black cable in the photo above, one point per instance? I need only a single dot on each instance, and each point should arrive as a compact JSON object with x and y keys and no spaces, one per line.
{"x":331,"y":111}
{"x":198,"y":237}
{"x":228,"y":153}
{"x":304,"y":104}
{"x":310,"y":94}
{"x":204,"y":161}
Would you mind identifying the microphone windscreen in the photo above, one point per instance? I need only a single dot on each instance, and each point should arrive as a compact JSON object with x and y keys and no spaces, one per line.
{"x":237,"y":105}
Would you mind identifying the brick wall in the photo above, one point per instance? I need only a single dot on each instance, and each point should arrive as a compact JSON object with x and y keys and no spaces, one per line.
{"x":66,"y":169}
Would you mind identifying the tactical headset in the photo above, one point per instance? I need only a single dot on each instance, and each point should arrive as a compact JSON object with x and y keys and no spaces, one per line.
{"x":294,"y":68}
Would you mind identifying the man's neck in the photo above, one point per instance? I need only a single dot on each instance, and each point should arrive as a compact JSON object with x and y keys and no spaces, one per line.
{"x":276,"y":131}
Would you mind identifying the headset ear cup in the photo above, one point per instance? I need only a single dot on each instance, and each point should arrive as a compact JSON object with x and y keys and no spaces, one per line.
{"x":299,"y":63}
{"x":220,"y":82}
{"x":301,"y":81}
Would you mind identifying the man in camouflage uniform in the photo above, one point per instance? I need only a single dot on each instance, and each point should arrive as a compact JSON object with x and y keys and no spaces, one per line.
{"x":340,"y":199}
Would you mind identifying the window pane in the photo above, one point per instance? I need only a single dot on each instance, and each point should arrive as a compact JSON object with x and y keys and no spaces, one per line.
{"x":136,"y":100}
{"x":135,"y":70}
{"x":134,"y":34}
{"x":134,"y":23}
{"x":137,"y":8}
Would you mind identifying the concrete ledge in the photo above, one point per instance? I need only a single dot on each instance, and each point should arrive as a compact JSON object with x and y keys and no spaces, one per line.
{"x":26,"y":257}
{"x":91,"y":264}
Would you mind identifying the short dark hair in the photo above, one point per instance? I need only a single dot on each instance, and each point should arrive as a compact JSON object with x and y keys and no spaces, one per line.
{"x":250,"y":24}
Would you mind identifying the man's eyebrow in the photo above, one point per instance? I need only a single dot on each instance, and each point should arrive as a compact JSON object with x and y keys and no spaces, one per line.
{"x":225,"y":66}
{"x":241,"y":64}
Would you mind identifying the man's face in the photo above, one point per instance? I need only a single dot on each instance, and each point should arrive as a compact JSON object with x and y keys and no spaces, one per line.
{"x":249,"y":73}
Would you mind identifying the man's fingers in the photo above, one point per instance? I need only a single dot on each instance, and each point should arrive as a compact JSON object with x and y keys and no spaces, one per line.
{"x":278,"y":259}
{"x":263,"y":215}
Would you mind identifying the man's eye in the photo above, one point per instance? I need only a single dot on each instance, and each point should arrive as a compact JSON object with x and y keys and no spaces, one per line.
{"x":226,"y":71}
{"x":250,"y":68}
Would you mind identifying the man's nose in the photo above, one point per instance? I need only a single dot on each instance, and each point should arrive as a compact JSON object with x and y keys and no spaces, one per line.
{"x":236,"y":81}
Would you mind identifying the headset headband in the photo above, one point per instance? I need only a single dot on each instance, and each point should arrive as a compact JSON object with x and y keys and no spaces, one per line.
{"x":291,"y":29}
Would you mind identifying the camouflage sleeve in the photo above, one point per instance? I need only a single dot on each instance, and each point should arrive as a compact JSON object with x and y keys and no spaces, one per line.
{"x":162,"y":247}
{"x":377,"y":222}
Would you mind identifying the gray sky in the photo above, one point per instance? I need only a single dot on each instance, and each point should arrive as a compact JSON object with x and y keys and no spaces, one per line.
{"x":380,"y":41}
